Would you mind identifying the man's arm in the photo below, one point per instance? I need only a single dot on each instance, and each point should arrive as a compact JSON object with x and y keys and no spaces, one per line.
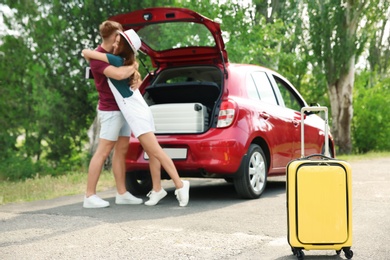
{"x":113,"y":72}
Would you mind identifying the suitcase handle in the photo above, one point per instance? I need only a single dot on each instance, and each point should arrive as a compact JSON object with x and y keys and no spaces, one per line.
{"x":319,"y":108}
{"x":318,"y":155}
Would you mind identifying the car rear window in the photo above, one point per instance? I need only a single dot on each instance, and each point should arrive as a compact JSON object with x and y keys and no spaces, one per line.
{"x":176,"y":35}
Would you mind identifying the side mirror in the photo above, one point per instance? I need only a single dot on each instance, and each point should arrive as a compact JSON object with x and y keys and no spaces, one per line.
{"x":314,"y":105}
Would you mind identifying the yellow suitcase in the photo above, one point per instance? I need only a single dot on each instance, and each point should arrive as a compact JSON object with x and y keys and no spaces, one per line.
{"x":319,"y":200}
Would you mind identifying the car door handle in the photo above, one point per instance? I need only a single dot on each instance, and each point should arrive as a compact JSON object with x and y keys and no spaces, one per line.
{"x":295,"y":122}
{"x":264,"y":115}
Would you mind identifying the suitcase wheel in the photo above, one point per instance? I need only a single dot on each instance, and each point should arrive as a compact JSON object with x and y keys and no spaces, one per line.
{"x":347,"y":252}
{"x":298,"y":253}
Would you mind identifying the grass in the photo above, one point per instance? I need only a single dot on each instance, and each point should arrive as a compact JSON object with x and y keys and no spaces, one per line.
{"x":48,"y":187}
{"x":370,"y":155}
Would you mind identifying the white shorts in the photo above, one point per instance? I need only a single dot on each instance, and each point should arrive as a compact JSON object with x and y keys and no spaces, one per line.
{"x":135,"y":110}
{"x":112,"y":125}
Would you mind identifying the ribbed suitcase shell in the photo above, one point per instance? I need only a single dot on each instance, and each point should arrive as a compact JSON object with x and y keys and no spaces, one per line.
{"x":180,"y":117}
{"x":319,"y":204}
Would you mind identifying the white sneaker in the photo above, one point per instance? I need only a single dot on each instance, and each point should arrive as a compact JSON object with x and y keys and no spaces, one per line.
{"x":155,"y":197}
{"x":183,"y":194}
{"x":94,"y":202}
{"x":127,"y":198}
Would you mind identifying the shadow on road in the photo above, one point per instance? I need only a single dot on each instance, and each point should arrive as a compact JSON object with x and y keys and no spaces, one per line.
{"x":66,"y":214}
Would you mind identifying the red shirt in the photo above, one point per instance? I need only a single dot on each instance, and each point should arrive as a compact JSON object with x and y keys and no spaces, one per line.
{"x":106,"y":98}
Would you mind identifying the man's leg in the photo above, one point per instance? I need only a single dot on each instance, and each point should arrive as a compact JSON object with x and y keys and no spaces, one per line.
{"x":96,"y":165}
{"x":110,"y":122}
{"x":119,"y":169}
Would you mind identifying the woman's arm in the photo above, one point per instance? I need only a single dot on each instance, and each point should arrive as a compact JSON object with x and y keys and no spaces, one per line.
{"x":119,"y":73}
{"x":136,"y":81}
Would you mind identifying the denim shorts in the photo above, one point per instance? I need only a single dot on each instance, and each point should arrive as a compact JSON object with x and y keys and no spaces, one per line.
{"x":112,"y":125}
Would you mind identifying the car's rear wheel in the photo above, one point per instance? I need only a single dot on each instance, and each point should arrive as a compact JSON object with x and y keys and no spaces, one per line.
{"x":138,"y":182}
{"x":251,"y":178}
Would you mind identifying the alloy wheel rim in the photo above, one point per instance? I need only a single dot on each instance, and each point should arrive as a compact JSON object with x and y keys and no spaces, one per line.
{"x":257,"y":172}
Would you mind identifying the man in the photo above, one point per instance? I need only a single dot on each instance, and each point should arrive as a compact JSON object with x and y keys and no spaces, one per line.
{"x":114,"y":132}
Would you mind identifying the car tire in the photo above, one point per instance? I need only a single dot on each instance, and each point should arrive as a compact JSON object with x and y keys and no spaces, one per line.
{"x":138,"y":182}
{"x":251,"y":178}
{"x":331,"y":155}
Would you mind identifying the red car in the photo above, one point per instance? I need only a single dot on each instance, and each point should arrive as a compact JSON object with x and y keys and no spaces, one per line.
{"x":214,"y":118}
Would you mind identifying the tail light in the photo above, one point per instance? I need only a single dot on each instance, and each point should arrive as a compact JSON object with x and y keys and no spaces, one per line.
{"x":226,"y":114}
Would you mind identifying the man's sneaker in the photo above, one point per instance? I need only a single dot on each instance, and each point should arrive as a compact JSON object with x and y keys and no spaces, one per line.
{"x":127,"y":198}
{"x":155,"y":197}
{"x":94,"y":202}
{"x":183,"y":194}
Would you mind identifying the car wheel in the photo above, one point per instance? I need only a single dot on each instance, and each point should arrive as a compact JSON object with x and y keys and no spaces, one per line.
{"x":251,"y":178}
{"x":138,"y":182}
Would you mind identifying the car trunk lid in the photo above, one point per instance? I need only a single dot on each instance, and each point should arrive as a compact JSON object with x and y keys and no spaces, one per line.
{"x":176,"y":36}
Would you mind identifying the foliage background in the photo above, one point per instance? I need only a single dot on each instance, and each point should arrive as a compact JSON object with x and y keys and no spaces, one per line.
{"x":47,"y":106}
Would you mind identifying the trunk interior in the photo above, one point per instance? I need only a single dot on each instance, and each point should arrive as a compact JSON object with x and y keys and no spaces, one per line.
{"x":184,"y":99}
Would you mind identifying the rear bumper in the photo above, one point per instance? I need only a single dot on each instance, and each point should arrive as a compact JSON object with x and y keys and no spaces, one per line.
{"x":212,"y":152}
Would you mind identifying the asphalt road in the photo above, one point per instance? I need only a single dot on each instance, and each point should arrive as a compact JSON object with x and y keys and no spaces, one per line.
{"x":215,"y":225}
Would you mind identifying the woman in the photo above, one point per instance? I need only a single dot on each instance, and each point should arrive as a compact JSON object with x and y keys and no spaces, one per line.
{"x":139,"y":116}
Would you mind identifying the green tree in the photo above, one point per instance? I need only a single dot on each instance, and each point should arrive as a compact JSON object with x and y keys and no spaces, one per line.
{"x":379,"y":43}
{"x":371,"y":98}
{"x":338,"y":36}
{"x":48,"y":106}
{"x":371,"y":123}
{"x":47,"y":101}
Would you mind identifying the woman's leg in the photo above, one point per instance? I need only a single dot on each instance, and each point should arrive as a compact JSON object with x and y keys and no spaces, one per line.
{"x":153,"y":149}
{"x":155,"y":172}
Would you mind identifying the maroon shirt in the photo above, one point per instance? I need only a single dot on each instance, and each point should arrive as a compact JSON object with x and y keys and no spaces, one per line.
{"x":106,"y":98}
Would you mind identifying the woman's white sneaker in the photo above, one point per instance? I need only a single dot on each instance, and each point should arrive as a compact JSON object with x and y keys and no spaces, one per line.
{"x":183,"y":194}
{"x":127,"y":198}
{"x":155,"y":197}
{"x":94,"y":202}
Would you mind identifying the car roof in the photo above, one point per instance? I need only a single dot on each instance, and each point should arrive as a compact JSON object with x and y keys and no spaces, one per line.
{"x":176,"y":36}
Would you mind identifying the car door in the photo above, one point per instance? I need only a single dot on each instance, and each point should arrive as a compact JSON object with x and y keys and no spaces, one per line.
{"x":293,"y":102}
{"x":281,"y":135}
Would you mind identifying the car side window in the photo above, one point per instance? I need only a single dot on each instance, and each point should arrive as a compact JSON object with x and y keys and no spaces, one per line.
{"x":251,"y":88}
{"x":264,"y":87}
{"x":290,"y":99}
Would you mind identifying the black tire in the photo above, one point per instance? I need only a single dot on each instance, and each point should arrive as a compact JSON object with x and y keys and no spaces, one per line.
{"x":251,"y":178}
{"x":229,"y":180}
{"x":139,"y":182}
{"x":331,"y":155}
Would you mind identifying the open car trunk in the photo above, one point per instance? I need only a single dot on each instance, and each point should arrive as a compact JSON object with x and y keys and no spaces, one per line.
{"x":184,"y":99}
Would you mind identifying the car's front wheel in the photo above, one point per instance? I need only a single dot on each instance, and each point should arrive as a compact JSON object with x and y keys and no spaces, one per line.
{"x":331,"y":155}
{"x":251,"y":178}
{"x":138,"y":182}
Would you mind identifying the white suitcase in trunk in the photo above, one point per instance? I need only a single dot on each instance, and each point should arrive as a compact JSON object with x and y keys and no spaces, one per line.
{"x":180,"y":118}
